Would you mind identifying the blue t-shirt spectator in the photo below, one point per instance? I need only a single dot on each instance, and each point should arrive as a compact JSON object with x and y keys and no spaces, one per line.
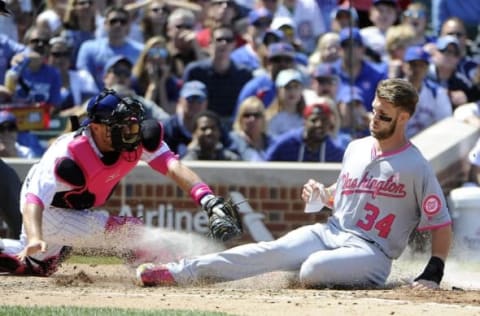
{"x":8,"y":48}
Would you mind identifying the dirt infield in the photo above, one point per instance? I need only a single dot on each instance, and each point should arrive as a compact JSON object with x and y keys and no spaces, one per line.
{"x":271,"y":294}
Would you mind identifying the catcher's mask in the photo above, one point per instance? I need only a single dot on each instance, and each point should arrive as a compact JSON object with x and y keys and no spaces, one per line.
{"x":123,"y":116}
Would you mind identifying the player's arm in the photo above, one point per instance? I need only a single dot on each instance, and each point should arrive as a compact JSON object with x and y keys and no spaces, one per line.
{"x":32,"y":222}
{"x":433,"y":273}
{"x":315,"y":188}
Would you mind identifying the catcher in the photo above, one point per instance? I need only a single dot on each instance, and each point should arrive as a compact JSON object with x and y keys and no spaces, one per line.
{"x":80,"y":170}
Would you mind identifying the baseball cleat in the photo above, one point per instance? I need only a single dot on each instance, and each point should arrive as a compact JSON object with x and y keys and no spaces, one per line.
{"x":149,"y":274}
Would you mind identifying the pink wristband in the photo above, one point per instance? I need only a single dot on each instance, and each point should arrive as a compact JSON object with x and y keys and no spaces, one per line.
{"x":199,"y":190}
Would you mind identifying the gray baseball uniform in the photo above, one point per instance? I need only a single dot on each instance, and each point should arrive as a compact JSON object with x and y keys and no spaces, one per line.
{"x":379,"y":200}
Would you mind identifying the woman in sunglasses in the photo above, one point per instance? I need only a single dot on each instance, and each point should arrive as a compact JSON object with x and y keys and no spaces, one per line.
{"x":152,"y":78}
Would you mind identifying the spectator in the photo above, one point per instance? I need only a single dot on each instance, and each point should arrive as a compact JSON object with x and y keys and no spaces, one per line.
{"x":118,"y":77}
{"x":309,"y":143}
{"x":416,"y":16}
{"x":154,"y":20}
{"x":465,"y":10}
{"x":19,"y":18}
{"x":383,"y":14}
{"x":286,"y":111}
{"x":280,"y":56}
{"x":8,"y":49}
{"x":342,"y":17}
{"x":353,"y":69}
{"x":398,"y":38}
{"x":51,"y":17}
{"x":223,"y":78}
{"x":354,"y":118}
{"x":308,"y":20}
{"x":10,"y":187}
{"x":220,"y":12}
{"x":178,"y":128}
{"x":286,"y":25}
{"x":339,"y":138}
{"x":325,"y":81}
{"x":205,"y":144}
{"x":473,"y":176}
{"x":31,"y":79}
{"x":94,"y":54}
{"x":9,"y":147}
{"x":181,"y":42}
{"x":249,"y":135}
{"x":77,"y":86}
{"x":433,"y":102}
{"x":467,"y":66}
{"x":79,"y":22}
{"x":443,"y":70}
{"x":248,"y":55}
{"x":152,"y":77}
{"x":327,"y":52}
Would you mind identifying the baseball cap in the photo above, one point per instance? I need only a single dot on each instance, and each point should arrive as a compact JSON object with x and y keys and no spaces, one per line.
{"x":325,"y":70}
{"x":7,"y":117}
{"x":416,"y":53}
{"x":103,"y":104}
{"x":444,"y":41}
{"x":348,"y":94}
{"x":355,"y":35}
{"x":259,"y":13}
{"x":193,"y":88}
{"x":286,"y":76}
{"x":387,"y":2}
{"x":317,"y":109}
{"x":272,"y":35}
{"x":339,"y":9}
{"x":115,"y":60}
{"x":281,"y":49}
{"x":281,"y":21}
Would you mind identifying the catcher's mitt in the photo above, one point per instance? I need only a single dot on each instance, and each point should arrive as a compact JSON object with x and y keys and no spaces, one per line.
{"x":224,"y":220}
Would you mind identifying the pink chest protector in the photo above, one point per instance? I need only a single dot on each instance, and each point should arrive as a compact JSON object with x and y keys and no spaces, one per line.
{"x":100,"y":179}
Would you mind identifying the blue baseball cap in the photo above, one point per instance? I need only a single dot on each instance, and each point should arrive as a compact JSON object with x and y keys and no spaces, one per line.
{"x":325,"y":70}
{"x":443,"y":42}
{"x":281,"y":49}
{"x":115,"y":60}
{"x":348,"y":94}
{"x":259,"y":13}
{"x":7,"y":117}
{"x":339,"y":9}
{"x":416,"y":53}
{"x":194,"y":88}
{"x":286,"y":76}
{"x":103,"y":104}
{"x":355,"y":35}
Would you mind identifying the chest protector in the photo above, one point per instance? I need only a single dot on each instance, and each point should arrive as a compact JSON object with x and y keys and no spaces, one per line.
{"x":93,"y":180}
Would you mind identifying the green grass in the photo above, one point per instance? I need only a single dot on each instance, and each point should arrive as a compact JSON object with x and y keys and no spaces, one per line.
{"x":80,"y":311}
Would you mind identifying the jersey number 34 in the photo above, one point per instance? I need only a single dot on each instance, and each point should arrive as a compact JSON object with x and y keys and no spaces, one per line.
{"x":371,"y":221}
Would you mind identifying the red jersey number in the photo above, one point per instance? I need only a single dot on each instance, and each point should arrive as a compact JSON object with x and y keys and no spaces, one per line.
{"x":370,"y":220}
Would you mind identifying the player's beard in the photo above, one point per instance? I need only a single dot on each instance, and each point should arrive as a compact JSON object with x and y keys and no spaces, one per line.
{"x":385,"y":133}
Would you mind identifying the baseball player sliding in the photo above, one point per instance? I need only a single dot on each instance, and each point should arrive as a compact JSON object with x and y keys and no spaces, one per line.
{"x":385,"y":189}
{"x":80,"y":171}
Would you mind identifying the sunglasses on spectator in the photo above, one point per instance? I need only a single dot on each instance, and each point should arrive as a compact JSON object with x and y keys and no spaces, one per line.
{"x":9,"y":127}
{"x":121,"y":72}
{"x":60,"y":54}
{"x":184,"y":27}
{"x":415,"y":14}
{"x":195,"y":99}
{"x":252,"y":114}
{"x":157,"y":52}
{"x":225,"y":39}
{"x":159,"y":9}
{"x":262,"y":23}
{"x":39,"y":41}
{"x":84,"y":3}
{"x":325,"y":80}
{"x":227,"y":2}
{"x":456,"y":34}
{"x":117,"y":21}
{"x":281,"y":59}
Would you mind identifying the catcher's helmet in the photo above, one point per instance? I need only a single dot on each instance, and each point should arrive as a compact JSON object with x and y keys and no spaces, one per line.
{"x":123,"y":115}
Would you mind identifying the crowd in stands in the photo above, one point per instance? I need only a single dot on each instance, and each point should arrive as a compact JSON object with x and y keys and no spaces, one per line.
{"x":251,"y":80}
